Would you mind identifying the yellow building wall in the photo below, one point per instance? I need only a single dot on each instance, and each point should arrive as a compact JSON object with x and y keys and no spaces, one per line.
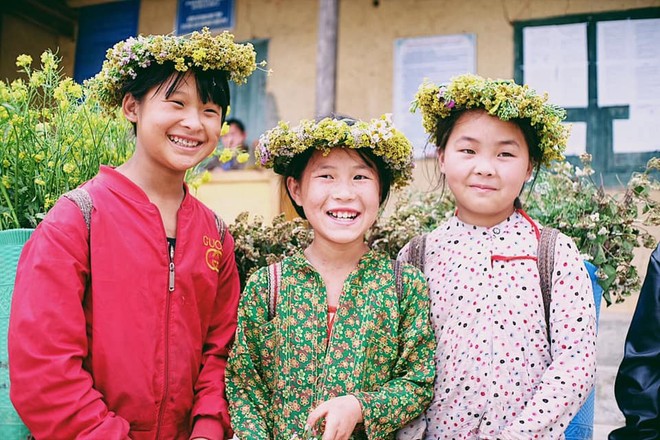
{"x":366,"y":40}
{"x":20,"y":37}
{"x":230,"y":193}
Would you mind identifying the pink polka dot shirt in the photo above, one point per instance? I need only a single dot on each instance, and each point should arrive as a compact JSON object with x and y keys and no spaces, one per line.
{"x":498,"y":377}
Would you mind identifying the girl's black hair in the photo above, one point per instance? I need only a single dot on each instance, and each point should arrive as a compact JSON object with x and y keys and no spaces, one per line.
{"x":445,"y":126}
{"x":299,"y":163}
{"x":212,"y":85}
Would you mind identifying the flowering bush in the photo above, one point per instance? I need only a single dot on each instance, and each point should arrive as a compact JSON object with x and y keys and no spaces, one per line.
{"x":53,"y":138}
{"x":258,"y":244}
{"x":606,"y":227}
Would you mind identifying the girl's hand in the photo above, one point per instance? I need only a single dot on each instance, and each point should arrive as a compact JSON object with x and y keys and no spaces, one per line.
{"x":341,"y":414}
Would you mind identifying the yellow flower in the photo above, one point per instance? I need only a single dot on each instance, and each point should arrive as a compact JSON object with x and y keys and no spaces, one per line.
{"x":48,"y":61}
{"x":242,"y":157}
{"x":49,"y":201}
{"x":39,"y":181}
{"x":6,"y":182}
{"x":226,"y":155}
{"x":225,"y":129}
{"x":68,"y":168}
{"x":198,"y":55}
{"x":24,"y":61}
{"x":37,"y":79}
{"x":38,"y":157}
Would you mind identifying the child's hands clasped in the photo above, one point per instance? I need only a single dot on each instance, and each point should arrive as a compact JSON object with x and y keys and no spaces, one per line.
{"x":341,"y":414}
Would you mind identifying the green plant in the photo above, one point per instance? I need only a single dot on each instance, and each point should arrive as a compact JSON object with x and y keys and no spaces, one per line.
{"x":258,"y":244}
{"x":606,"y":226}
{"x":53,"y":138}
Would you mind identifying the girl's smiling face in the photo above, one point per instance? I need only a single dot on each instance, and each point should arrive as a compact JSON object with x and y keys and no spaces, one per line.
{"x":340,"y":194}
{"x":175,"y":132}
{"x":486,"y":163}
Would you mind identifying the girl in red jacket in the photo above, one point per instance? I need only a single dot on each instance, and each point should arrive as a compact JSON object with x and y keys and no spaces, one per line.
{"x":123,"y":313}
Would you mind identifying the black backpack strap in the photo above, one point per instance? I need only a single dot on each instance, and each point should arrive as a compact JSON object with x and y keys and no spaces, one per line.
{"x":274,"y":280}
{"x":546,"y":264}
{"x":81,"y":197}
{"x":417,"y":252}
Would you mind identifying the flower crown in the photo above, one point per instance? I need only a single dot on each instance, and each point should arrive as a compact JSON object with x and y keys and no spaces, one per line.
{"x":278,"y":146}
{"x":503,"y":99}
{"x":201,"y":50}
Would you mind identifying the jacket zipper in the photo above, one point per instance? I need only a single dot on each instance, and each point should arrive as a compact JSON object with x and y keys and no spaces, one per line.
{"x":161,"y":410}
{"x":171,"y":285}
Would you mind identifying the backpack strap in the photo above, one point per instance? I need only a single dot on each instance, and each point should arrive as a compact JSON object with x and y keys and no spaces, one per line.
{"x":222,"y":227}
{"x":546,"y":264}
{"x":398,"y":279}
{"x":81,"y":197}
{"x":274,"y":281}
{"x":417,"y":252}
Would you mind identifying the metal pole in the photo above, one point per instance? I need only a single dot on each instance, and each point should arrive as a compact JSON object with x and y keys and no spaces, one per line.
{"x":326,"y":60}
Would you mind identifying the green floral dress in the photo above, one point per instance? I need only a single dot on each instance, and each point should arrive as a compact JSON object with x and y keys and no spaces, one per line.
{"x":380,"y":350}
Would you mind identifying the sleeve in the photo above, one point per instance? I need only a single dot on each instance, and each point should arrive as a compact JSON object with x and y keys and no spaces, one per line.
{"x":210,"y":408}
{"x":410,"y":391}
{"x":637,"y":386}
{"x":47,"y":340}
{"x":568,"y":380}
{"x":246,"y":387}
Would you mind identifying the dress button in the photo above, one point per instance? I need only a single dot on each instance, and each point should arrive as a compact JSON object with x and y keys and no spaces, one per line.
{"x":496,"y":231}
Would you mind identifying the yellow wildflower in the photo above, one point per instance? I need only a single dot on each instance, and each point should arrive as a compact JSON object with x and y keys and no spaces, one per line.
{"x":225,"y":129}
{"x":226,"y":155}
{"x":242,"y":157}
{"x":24,"y":61}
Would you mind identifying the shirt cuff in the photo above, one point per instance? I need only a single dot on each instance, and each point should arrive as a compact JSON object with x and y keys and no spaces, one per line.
{"x":209,"y":428}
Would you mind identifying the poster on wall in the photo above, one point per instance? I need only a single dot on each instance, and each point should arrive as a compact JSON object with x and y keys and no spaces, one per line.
{"x":435,"y":58}
{"x":193,"y":15}
{"x":629,"y":74}
{"x":556,"y":63}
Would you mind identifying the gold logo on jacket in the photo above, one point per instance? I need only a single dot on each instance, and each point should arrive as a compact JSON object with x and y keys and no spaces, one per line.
{"x":213,"y":253}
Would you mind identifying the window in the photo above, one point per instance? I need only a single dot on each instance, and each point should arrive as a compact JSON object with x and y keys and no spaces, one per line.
{"x":605,"y":70}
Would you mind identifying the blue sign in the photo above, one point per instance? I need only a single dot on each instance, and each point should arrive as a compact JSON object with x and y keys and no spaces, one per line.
{"x":193,"y":15}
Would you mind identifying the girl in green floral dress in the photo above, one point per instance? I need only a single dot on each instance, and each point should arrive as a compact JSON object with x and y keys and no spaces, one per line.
{"x":334,"y":342}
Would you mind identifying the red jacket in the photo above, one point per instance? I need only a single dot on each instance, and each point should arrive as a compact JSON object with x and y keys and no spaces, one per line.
{"x":99,"y":346}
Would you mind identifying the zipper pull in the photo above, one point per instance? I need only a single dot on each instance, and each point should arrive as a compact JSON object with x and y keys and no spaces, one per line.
{"x":171,"y":284}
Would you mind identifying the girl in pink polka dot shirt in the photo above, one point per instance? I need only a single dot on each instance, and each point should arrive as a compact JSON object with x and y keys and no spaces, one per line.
{"x":501,"y":373}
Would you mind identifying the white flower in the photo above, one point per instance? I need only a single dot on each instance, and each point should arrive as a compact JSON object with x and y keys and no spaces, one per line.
{"x":602,"y":230}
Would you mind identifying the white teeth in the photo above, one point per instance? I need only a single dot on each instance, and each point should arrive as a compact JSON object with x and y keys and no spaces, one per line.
{"x":184,"y":142}
{"x":343,"y":215}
